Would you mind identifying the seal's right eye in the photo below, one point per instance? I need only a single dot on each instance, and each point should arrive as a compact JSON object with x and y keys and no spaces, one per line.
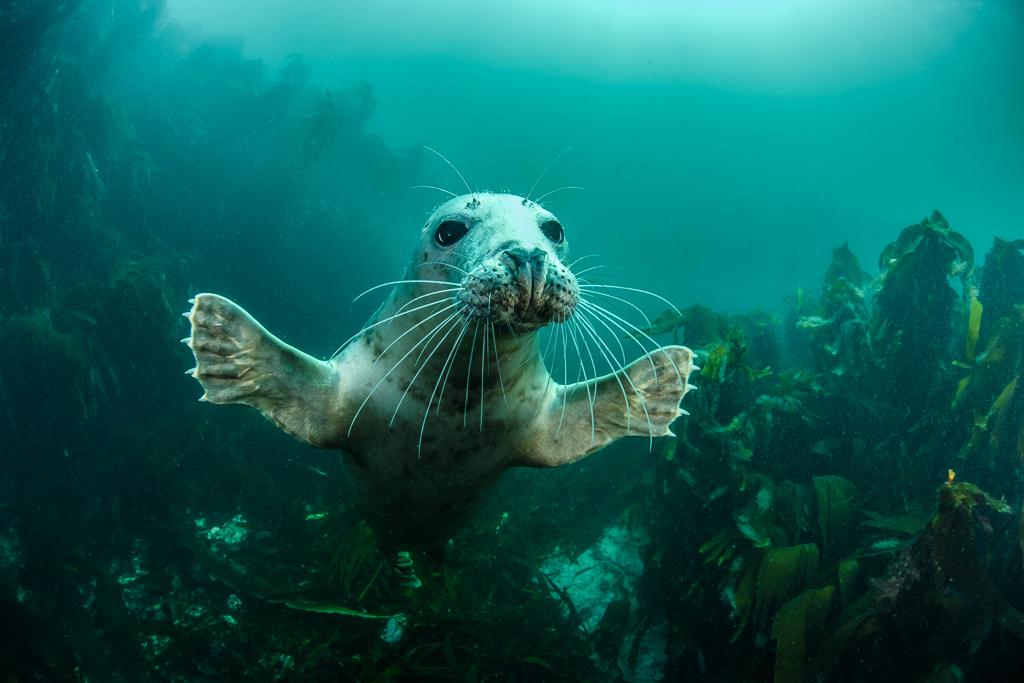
{"x":449,"y":232}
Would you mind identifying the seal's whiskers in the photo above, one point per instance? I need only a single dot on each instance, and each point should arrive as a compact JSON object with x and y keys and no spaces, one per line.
{"x":585,"y":256}
{"x":637,"y":330}
{"x":402,"y":282}
{"x":551,"y":163}
{"x":621,"y":372}
{"x":585,"y":315}
{"x":426,"y":361}
{"x":457,"y":171}
{"x":386,"y":320}
{"x":539,"y":199}
{"x":591,"y":391}
{"x":547,"y":348}
{"x":469,"y":372}
{"x":436,"y":292}
{"x":565,"y":377}
{"x":449,"y":365}
{"x":592,"y":286}
{"x":603,"y":349}
{"x":399,"y":338}
{"x":603,"y":314}
{"x":483,"y":373}
{"x":441,"y":376}
{"x":497,"y":364}
{"x":512,"y":330}
{"x":624,"y":301}
{"x":398,"y":363}
{"x":447,"y":265}
{"x":587,"y":270}
{"x":434,"y":187}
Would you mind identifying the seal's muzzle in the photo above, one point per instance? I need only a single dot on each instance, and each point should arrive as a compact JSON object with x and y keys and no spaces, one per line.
{"x":529,"y":271}
{"x":527,"y":287}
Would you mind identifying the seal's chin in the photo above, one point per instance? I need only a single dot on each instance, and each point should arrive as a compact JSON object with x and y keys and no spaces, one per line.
{"x":524,"y":298}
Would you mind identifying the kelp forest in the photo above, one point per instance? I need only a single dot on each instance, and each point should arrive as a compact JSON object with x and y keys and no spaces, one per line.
{"x":842,"y":503}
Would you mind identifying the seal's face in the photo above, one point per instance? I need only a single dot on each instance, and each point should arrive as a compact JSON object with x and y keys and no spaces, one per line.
{"x":506,"y":252}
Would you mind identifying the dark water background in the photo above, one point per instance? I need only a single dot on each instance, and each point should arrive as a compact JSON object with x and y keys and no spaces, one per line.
{"x":800,"y":527}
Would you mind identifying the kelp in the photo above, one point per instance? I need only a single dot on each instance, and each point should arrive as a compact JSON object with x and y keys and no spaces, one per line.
{"x":795,"y":532}
{"x":988,"y":392}
{"x":331,"y":608}
{"x":822,"y":627}
{"x":835,"y":508}
{"x":696,"y":326}
{"x":798,"y":627}
{"x":839,"y":327}
{"x":1002,"y":281}
{"x":911,"y":327}
{"x":872,"y":436}
{"x":783,"y":573}
{"x":905,"y":524}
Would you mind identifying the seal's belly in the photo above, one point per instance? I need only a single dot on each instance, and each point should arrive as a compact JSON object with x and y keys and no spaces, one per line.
{"x":417,"y":496}
{"x":422,"y":448}
{"x":416,"y":505}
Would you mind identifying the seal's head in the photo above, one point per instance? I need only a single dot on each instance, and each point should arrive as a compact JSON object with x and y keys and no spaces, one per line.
{"x":506,"y":253}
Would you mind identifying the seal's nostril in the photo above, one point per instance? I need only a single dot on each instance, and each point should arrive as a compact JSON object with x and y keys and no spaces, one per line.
{"x":518,"y":256}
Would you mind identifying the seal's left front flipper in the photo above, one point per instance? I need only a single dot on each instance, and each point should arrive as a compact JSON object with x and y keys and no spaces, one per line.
{"x":640,"y":400}
{"x":238,"y":361}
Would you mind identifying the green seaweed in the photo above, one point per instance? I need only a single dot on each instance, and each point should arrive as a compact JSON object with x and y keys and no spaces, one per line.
{"x":798,"y":627}
{"x":331,"y":608}
{"x":835,"y":506}
{"x":783,"y":573}
{"x":794,"y":527}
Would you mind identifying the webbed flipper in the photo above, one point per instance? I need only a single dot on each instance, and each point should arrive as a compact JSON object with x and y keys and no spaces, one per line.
{"x":640,"y":400}
{"x":238,"y":361}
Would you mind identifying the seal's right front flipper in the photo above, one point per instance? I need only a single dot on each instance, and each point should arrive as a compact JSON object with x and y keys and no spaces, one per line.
{"x":642,"y":400}
{"x":238,"y":361}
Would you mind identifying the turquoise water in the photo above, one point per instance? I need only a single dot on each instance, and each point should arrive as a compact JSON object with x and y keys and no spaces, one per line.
{"x":822,"y":200}
{"x":758,"y":134}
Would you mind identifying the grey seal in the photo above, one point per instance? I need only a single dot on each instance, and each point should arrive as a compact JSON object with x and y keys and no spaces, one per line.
{"x":445,"y":387}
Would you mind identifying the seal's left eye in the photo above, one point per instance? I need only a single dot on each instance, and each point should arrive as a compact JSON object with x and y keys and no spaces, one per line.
{"x":450,"y":232}
{"x":553,"y":231}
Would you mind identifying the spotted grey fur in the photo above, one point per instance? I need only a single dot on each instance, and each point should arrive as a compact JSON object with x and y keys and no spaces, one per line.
{"x":427,"y":426}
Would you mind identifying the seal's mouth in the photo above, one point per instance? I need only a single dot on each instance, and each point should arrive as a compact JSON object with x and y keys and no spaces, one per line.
{"x":527,"y":289}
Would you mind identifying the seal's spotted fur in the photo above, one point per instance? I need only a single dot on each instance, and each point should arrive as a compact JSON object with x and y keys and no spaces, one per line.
{"x":445,"y":387}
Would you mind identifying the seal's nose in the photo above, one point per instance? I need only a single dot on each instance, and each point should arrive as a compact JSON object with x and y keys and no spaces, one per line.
{"x":521,"y":256}
{"x":529,"y":266}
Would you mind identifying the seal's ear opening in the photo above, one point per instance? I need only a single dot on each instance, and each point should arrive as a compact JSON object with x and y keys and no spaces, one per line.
{"x":449,"y":232}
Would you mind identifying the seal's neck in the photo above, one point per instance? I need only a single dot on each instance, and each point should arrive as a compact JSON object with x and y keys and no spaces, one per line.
{"x":433,"y":332}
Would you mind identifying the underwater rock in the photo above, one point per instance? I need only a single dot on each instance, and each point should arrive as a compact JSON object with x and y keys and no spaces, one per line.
{"x":593,"y":578}
{"x":941,"y":584}
{"x":394,"y":628}
{"x":232,"y":533}
{"x":602,"y":583}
